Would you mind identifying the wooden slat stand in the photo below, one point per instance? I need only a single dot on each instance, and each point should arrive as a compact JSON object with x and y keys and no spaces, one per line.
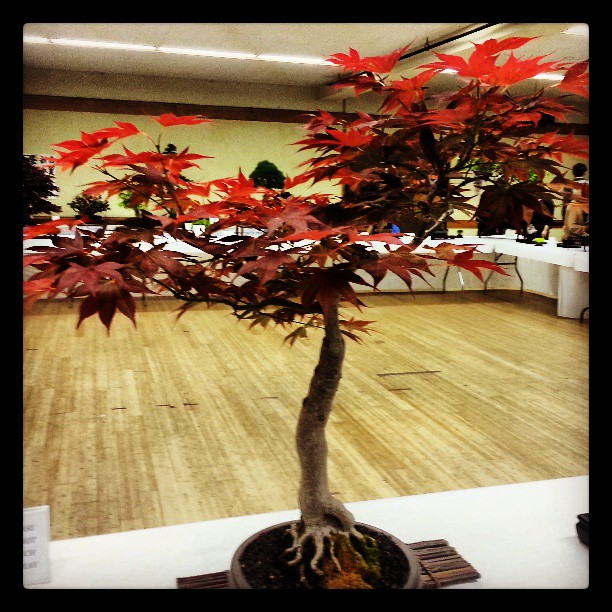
{"x":441,"y":565}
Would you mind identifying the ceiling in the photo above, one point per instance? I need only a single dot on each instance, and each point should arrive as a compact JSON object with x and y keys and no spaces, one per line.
{"x":303,"y":39}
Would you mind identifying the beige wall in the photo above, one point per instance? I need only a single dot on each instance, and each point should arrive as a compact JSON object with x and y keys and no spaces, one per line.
{"x":234,"y":145}
{"x":189,"y":91}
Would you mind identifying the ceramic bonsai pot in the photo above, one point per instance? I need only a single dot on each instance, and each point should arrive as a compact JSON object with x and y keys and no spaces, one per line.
{"x":250,"y":569}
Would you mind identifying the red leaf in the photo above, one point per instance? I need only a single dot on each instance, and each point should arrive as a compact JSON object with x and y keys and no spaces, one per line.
{"x":380,"y":63}
{"x":89,"y":307}
{"x":151,"y":261}
{"x":109,"y":298}
{"x":297,"y":180}
{"x":132,"y":158}
{"x":568,"y":144}
{"x":361,"y":83}
{"x":169,"y":119}
{"x":123,"y":131}
{"x":320,"y":121}
{"x":267,"y":265}
{"x":576,"y":80}
{"x":296,"y":215}
{"x":515,"y":70}
{"x":49,"y":227}
{"x":493,"y":47}
{"x":464,"y":259}
{"x":314,"y":234}
{"x":328,"y":286}
{"x":481,"y":64}
{"x":388,"y":238}
{"x":351,"y":138}
{"x":34,"y":289}
{"x":403,"y":93}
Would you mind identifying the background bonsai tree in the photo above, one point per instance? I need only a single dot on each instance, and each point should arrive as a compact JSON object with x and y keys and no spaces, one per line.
{"x":301,"y":270}
{"x":38,"y":185}
{"x":89,"y":206}
{"x":267,"y":174}
{"x":124,"y":199}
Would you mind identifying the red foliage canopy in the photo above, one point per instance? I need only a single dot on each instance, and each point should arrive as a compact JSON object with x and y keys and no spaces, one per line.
{"x":286,"y":260}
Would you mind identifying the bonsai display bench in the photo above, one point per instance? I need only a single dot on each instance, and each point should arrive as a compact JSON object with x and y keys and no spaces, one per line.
{"x":518,"y":536}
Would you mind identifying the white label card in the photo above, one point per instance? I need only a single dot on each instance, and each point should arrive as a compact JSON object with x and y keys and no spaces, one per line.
{"x":36,"y":532}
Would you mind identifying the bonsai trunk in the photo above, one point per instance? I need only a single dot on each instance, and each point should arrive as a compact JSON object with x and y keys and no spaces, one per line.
{"x":323,"y":517}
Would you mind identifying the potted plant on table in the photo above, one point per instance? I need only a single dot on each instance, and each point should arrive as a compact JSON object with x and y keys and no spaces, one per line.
{"x":301,"y":270}
{"x":88,"y":206}
{"x":267,"y":174}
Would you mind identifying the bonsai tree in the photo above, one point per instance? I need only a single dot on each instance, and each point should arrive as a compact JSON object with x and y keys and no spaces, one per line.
{"x":267,"y":174}
{"x":125,"y":201}
{"x":416,"y":158}
{"x":89,"y":206}
{"x":38,"y":186}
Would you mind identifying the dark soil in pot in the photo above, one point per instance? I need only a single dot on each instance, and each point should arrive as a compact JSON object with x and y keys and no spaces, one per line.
{"x":261,"y":564}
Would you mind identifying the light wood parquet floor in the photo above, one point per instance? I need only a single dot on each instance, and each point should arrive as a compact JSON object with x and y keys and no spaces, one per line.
{"x":190,"y":420}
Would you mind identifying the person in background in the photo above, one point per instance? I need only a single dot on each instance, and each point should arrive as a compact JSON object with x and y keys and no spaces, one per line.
{"x":540,"y":222}
{"x":575,"y":197}
{"x":575,"y":217}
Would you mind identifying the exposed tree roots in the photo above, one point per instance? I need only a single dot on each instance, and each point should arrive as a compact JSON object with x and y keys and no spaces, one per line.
{"x":332,"y":554}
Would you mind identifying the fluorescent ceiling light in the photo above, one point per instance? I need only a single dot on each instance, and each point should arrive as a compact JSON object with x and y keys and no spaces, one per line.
{"x":206,"y":53}
{"x":580,"y":29}
{"x":294,"y":59}
{"x":100,"y":44}
{"x":549,"y":76}
{"x":96,"y":44}
{"x":36,"y":40}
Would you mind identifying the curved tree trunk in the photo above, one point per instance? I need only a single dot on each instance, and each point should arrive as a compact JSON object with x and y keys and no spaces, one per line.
{"x":316,"y":502}
{"x":322,"y":515}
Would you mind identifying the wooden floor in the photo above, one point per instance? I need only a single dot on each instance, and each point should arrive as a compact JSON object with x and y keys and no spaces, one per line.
{"x":177,"y":422}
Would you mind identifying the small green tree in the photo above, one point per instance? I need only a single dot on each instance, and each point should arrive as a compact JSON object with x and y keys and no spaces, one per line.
{"x":38,"y":186}
{"x":267,"y":174}
{"x":90,"y":206}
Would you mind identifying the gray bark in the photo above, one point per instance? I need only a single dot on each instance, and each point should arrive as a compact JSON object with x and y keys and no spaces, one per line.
{"x":318,"y":507}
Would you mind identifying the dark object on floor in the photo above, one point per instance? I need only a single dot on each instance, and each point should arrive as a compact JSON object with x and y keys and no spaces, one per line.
{"x":582,"y":528}
{"x":441,"y":565}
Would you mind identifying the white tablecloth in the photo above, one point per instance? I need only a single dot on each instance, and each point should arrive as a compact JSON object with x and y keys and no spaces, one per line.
{"x":549,"y":270}
{"x":518,"y":536}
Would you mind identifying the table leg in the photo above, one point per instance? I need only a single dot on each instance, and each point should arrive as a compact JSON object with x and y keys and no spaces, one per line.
{"x":573,"y":292}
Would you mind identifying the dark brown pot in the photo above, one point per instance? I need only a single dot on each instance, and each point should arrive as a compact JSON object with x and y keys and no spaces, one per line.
{"x":239,"y":570}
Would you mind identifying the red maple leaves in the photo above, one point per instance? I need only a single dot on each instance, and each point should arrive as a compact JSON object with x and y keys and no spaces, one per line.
{"x":279,"y":257}
{"x":482,"y":65}
{"x":380,"y":64}
{"x":79,"y":152}
{"x":576,"y":80}
{"x":169,"y":119}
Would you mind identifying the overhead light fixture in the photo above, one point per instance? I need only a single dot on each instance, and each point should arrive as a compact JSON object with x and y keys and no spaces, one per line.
{"x":100,"y":44}
{"x":95,"y":44}
{"x":549,"y":76}
{"x":580,"y":29}
{"x":294,"y":59}
{"x":36,"y":40}
{"x":206,"y":53}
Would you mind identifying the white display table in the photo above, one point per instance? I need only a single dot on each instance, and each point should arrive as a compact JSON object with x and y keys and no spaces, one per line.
{"x":519,"y":536}
{"x":547,"y":270}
